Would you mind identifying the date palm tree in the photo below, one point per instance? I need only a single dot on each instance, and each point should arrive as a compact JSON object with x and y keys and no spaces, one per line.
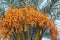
{"x":26,"y":30}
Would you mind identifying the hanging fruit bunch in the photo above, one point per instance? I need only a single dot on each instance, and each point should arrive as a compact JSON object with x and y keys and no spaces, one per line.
{"x":21,"y":17}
